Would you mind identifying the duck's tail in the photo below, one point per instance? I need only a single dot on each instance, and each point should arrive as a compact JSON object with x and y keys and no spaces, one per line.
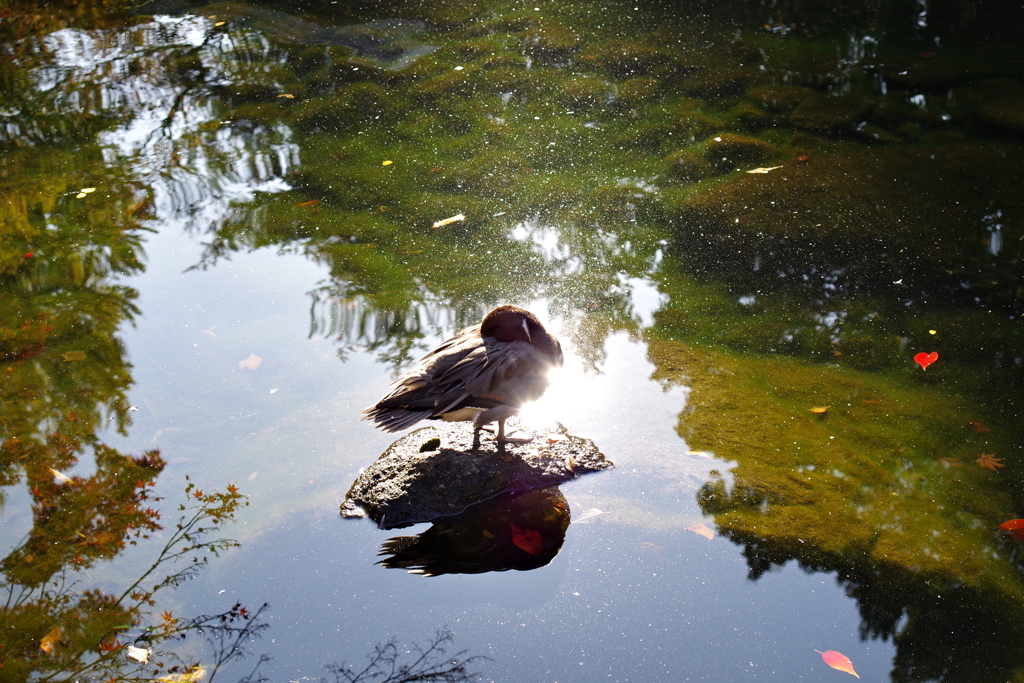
{"x":394,"y":418}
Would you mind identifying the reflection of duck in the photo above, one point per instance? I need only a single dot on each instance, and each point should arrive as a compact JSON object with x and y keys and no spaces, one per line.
{"x":520,"y":531}
{"x":484,"y":373}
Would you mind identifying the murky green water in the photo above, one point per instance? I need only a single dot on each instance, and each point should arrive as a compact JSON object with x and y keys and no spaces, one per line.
{"x":224,"y":232}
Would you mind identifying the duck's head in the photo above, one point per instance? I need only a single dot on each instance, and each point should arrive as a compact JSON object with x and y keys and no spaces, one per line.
{"x":512,"y":323}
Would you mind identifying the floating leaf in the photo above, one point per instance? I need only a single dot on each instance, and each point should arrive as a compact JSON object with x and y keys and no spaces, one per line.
{"x":701,"y":454}
{"x":252,"y":362}
{"x":838,"y":660}
{"x":526,"y":540}
{"x":925,"y":359}
{"x":191,"y":676}
{"x":87,"y":190}
{"x":312,"y":202}
{"x":1014,"y":528}
{"x":446,"y":221}
{"x":763,"y":169}
{"x":287,"y":96}
{"x":59,"y":477}
{"x":818,"y":410}
{"x":990,"y":461}
{"x":79,"y":195}
{"x":70,"y":356}
{"x":803,"y":158}
{"x":977,"y":426}
{"x":139,"y":654}
{"x":29,"y":254}
{"x":49,"y":641}
{"x":702,"y":530}
{"x":387,"y":163}
{"x":587,"y":514}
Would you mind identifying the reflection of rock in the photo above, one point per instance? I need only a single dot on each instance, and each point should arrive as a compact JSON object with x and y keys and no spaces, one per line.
{"x":434,"y":472}
{"x":513,"y":531}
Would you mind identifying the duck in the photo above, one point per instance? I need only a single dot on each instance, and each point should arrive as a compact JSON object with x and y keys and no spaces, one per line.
{"x":483,"y":374}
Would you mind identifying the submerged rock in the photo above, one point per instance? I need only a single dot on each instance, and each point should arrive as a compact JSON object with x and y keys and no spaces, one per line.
{"x":435,"y":472}
{"x":830,"y":112}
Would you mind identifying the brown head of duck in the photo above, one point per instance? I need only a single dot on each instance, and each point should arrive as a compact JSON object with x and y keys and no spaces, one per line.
{"x":485,"y":373}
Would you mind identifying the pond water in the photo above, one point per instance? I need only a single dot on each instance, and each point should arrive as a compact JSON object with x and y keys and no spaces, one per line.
{"x":780,"y":245}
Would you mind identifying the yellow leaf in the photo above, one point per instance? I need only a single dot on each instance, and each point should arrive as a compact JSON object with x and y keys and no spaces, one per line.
{"x":387,"y":163}
{"x":818,"y":410}
{"x":59,"y":477}
{"x":87,"y":190}
{"x":763,"y":169}
{"x":287,"y":96}
{"x":192,"y":676}
{"x":49,"y":641}
{"x":446,"y":221}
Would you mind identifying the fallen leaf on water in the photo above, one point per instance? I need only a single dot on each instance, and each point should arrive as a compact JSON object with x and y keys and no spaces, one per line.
{"x":311,"y":202}
{"x":587,"y":514}
{"x":87,"y":190}
{"x":190,"y":676}
{"x":763,"y":169}
{"x":387,"y":163}
{"x":253,"y":475}
{"x":702,"y":530}
{"x":818,"y":410}
{"x":139,"y":654}
{"x":1014,"y":528}
{"x":29,"y":254}
{"x":252,"y":362}
{"x":287,"y":96}
{"x":838,"y":660}
{"x":977,"y":426}
{"x":925,"y":359}
{"x":990,"y":461}
{"x":803,"y":157}
{"x":49,"y":641}
{"x":701,"y":454}
{"x":446,"y":221}
{"x":59,"y":477}
{"x":526,"y":540}
{"x":70,"y":356}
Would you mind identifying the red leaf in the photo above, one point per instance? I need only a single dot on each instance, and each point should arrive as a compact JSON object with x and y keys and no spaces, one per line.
{"x":29,"y":254}
{"x":526,"y":540}
{"x":837,"y":660}
{"x":925,"y":359}
{"x":1014,"y":528}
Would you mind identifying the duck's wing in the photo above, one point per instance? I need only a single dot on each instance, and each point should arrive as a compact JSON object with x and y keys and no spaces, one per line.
{"x":417,"y":394}
{"x":497,"y":373}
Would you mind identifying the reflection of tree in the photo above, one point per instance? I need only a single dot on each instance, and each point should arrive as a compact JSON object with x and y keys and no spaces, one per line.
{"x":54,"y":631}
{"x":431,"y":663}
{"x":881,"y":490}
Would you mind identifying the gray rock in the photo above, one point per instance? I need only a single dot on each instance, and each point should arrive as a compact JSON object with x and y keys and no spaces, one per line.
{"x":435,"y":472}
